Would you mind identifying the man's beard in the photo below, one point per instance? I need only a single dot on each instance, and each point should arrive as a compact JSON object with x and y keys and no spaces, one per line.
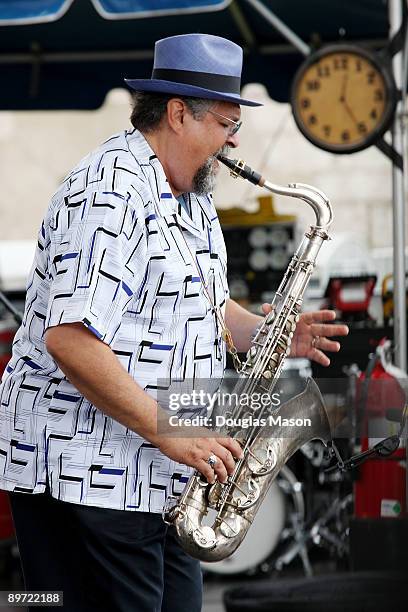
{"x":204,"y":178}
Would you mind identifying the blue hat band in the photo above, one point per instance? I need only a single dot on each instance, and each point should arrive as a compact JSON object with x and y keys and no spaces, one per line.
{"x":207,"y":80}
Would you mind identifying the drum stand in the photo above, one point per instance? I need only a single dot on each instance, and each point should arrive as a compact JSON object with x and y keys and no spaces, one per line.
{"x":297,"y":546}
{"x":318,"y":533}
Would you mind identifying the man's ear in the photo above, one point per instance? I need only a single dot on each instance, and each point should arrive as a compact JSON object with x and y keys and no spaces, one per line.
{"x":176,"y":114}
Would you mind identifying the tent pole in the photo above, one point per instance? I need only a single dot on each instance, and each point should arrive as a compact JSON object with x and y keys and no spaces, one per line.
{"x":280,"y":26}
{"x":398,"y":196}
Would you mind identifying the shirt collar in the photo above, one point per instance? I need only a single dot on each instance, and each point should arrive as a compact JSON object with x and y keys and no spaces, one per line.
{"x":167,"y":205}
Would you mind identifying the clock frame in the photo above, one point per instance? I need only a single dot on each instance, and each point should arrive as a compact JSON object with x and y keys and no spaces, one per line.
{"x":343,"y":98}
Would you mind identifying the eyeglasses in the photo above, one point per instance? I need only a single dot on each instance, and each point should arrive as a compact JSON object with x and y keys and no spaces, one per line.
{"x":233,"y":129}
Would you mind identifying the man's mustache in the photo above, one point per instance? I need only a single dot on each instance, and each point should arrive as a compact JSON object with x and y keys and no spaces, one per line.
{"x":223,"y":151}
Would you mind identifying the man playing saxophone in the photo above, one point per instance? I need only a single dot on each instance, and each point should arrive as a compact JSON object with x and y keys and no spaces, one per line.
{"x":128,"y":274}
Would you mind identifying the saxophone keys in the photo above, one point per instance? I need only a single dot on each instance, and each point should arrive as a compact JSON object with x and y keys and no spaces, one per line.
{"x":205,"y":537}
{"x":285,"y":340}
{"x":270,"y":317}
{"x":264,"y":463}
{"x":231,"y":525}
{"x":252,"y":351}
{"x":290,"y":326}
{"x":214,"y":494}
{"x":274,"y":361}
{"x":249,"y":497}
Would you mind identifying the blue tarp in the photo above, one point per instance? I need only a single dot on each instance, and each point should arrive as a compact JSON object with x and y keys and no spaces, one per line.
{"x":27,"y":10}
{"x":117,"y":8}
{"x":73,"y":61}
{"x":14,"y":12}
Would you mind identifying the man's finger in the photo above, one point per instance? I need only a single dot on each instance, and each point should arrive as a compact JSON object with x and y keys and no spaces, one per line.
{"x":207,"y":471}
{"x":324,"y":344}
{"x":233,"y":446}
{"x":319,"y":357}
{"x":318,"y":316}
{"x":329,"y":330}
{"x":221,"y":471}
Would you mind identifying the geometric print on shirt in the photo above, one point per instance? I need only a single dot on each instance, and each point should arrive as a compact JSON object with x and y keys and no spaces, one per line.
{"x":117,"y":252}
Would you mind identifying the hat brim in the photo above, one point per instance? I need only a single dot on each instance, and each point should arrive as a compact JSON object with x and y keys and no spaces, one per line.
{"x":183,"y":89}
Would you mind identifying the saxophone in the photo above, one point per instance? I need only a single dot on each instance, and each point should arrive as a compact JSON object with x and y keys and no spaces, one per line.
{"x":266,"y":448}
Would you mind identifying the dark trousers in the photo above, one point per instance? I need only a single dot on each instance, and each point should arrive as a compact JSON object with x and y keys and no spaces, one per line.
{"x":103,"y":559}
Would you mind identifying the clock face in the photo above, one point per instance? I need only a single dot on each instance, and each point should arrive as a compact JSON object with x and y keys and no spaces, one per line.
{"x":343,"y":99}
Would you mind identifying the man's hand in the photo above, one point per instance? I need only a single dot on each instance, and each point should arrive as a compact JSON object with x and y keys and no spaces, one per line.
{"x":313,"y":333}
{"x":196,"y":451}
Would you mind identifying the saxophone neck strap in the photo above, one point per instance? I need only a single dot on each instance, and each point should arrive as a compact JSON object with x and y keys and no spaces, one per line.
{"x":217,"y":312}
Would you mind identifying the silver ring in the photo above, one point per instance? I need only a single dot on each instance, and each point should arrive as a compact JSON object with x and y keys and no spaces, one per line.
{"x":212,"y":461}
{"x":314,"y":341}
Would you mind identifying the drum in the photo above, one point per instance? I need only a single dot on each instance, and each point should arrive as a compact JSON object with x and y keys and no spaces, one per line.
{"x":283,"y":497}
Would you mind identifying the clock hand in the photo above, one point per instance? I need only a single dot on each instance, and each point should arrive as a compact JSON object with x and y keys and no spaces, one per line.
{"x":344,"y":101}
{"x":350,"y":112}
{"x":343,"y":88}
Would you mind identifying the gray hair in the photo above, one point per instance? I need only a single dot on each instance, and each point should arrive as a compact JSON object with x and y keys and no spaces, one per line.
{"x":149,"y":108}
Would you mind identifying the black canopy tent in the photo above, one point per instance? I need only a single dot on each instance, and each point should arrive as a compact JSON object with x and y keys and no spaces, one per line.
{"x":73,"y":61}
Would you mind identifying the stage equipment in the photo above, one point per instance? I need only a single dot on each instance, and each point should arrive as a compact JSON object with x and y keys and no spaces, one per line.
{"x":380,"y":402}
{"x":350,"y":297}
{"x":259,"y":245}
{"x":266,"y":448}
{"x":345,"y":255}
{"x":376,"y":406}
{"x":380,"y":522}
{"x":387,"y":297}
{"x":339,"y":592}
{"x":344,"y":98}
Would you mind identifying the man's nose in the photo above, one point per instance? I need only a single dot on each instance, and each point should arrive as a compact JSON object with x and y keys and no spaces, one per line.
{"x":233,"y":141}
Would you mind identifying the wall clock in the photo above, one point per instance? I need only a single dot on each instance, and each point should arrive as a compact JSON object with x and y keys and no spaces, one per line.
{"x":343,"y":98}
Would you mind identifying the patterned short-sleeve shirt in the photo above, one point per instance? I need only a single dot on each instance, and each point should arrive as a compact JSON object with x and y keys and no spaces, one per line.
{"x":117,"y":252}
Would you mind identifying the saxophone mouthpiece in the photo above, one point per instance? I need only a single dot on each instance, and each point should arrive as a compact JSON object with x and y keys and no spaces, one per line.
{"x":238,"y":168}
